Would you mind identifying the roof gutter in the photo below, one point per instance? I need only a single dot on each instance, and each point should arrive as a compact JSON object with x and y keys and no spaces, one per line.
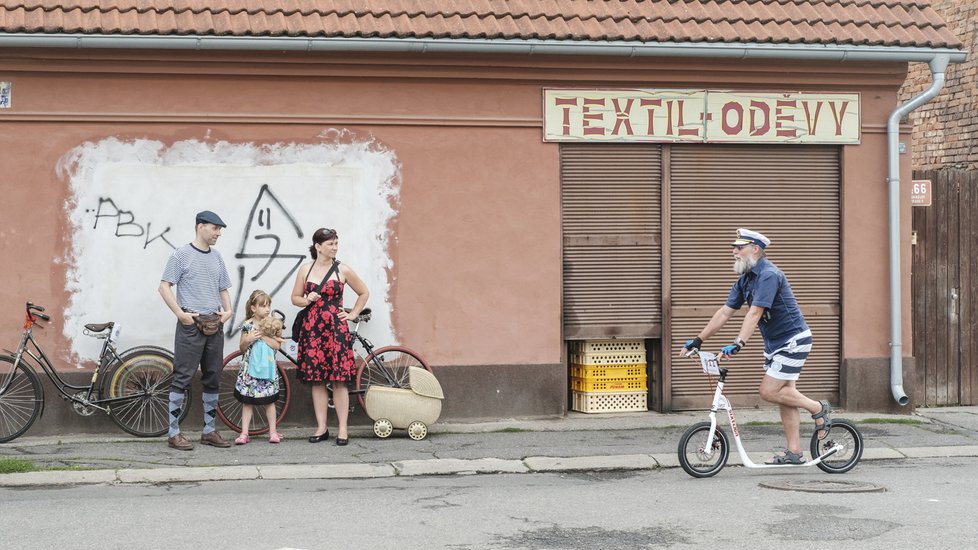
{"x":937,"y":67}
{"x":815,"y":52}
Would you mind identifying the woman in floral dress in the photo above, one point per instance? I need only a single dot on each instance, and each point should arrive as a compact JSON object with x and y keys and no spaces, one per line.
{"x":325,"y":347}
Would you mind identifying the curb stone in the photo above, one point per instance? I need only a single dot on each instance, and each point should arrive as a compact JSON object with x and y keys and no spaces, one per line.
{"x":593,"y":463}
{"x":326,"y":471}
{"x":445,"y":466}
{"x":58,"y":477}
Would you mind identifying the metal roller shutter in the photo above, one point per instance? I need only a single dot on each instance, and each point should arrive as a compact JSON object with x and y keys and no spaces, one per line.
{"x":612,"y":240}
{"x":789,"y":193}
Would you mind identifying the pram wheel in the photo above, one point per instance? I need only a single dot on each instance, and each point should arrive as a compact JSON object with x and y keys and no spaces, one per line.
{"x":417,"y":430}
{"x":383,"y":428}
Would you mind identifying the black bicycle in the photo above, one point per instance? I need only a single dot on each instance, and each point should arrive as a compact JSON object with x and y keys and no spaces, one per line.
{"x":384,"y":366}
{"x":132,"y":387}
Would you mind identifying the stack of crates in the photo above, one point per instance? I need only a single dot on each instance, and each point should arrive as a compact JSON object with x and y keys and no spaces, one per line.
{"x":608,"y":376}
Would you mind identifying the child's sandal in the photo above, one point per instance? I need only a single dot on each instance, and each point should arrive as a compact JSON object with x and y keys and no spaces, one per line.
{"x":275,"y":437}
{"x":826,"y":424}
{"x":242,"y":439}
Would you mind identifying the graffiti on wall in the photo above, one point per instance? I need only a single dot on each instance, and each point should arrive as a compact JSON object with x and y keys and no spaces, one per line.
{"x":133,"y":202}
{"x":125,"y":223}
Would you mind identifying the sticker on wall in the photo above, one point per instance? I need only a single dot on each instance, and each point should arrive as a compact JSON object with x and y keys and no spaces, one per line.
{"x":133,"y":203}
{"x":6,"y":89}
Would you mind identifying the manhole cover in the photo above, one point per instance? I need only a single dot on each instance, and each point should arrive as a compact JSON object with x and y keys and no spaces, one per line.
{"x":812,"y":486}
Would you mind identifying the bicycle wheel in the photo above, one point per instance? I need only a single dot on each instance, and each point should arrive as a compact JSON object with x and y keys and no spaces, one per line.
{"x":229,"y":408}
{"x":142,"y":380}
{"x":695,"y":458}
{"x":148,"y":349}
{"x":21,"y":401}
{"x":842,"y":433}
{"x":387,"y":366}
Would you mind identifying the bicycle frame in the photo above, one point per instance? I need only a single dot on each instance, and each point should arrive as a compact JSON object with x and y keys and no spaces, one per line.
{"x":107,"y":357}
{"x":367,"y":345}
{"x":720,"y":401}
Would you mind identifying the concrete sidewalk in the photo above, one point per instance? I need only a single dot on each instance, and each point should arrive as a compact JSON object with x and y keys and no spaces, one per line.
{"x":577,"y":442}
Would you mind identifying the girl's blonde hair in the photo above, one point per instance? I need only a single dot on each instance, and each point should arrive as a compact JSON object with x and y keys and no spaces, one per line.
{"x":257,"y":298}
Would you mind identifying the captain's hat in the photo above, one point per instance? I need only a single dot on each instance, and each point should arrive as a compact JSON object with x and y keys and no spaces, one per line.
{"x":746,"y":236}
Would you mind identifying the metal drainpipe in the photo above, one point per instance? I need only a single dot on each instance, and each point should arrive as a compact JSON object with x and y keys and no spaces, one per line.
{"x":937,"y":66}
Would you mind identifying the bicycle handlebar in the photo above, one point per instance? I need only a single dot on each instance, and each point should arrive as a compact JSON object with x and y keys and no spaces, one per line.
{"x":696,"y":352}
{"x":35,"y":311}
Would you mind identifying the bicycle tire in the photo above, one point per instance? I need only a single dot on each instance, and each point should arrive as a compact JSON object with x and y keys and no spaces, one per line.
{"x":692,"y":456}
{"x":396,"y":360}
{"x":846,"y":434}
{"x":21,"y":402}
{"x":149,"y":349}
{"x":229,"y":408}
{"x":143,"y":375}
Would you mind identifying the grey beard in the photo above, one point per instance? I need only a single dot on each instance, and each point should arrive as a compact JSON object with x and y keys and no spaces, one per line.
{"x":743,"y":265}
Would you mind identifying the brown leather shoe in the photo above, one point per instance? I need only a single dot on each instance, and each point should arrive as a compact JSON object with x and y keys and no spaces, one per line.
{"x":180,"y":443}
{"x":214,"y":439}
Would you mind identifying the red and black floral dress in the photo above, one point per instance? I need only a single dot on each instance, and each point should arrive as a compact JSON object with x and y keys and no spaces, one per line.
{"x":325,"y":349}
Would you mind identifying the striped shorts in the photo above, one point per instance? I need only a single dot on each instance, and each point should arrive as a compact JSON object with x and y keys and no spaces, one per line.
{"x":785,"y":363}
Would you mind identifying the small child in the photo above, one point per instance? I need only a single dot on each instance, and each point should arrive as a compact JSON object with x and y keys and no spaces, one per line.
{"x":257,"y":382}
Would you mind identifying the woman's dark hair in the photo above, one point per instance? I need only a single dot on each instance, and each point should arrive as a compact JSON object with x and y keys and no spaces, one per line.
{"x":320,"y":236}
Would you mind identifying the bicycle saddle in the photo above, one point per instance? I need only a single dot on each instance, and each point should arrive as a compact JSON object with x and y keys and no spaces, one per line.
{"x":100,"y":327}
{"x":364,"y":314}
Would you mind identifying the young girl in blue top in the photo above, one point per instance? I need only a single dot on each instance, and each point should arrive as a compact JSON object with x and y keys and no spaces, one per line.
{"x":257,"y":382}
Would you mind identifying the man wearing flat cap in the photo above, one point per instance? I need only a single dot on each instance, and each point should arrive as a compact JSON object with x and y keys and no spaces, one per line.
{"x":787,"y":339}
{"x":198,"y":271}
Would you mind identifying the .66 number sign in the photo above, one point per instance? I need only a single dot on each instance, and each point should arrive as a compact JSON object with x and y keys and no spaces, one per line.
{"x":920,"y":192}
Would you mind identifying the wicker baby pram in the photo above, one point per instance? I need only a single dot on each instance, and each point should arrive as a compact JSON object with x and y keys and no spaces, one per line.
{"x":412,"y":409}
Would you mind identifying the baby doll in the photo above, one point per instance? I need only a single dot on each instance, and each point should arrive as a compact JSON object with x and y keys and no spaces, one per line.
{"x":261,"y":361}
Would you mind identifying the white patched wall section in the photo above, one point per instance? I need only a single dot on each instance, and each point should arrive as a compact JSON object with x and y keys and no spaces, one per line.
{"x":133,"y":202}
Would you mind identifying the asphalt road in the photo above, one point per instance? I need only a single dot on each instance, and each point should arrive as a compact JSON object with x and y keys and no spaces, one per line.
{"x":922,"y":504}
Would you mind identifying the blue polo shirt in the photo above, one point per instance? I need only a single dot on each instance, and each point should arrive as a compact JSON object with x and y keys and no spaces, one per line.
{"x":766,"y":286}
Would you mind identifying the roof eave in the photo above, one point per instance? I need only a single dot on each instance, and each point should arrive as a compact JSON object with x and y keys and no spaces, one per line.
{"x":738,"y":50}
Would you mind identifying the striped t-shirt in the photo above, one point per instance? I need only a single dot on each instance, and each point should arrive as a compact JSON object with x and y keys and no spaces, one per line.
{"x":200,"y":277}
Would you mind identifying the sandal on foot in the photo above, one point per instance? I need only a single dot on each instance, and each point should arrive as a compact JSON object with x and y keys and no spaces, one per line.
{"x":823,"y":428}
{"x":275,"y":437}
{"x":242,"y":439}
{"x":787,"y":458}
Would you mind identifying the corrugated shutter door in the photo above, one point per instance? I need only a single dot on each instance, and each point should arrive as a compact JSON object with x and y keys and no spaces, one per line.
{"x":789,"y":193}
{"x":612,"y":231}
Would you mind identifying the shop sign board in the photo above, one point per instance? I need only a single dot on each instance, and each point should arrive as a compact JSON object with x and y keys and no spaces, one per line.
{"x":700,"y":116}
{"x":920,"y":192}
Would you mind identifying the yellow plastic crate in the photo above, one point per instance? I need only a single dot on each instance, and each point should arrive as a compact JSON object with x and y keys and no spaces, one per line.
{"x":633,"y":383}
{"x":608,"y":346}
{"x":604,"y":371}
{"x":580,"y":359}
{"x":627,"y":401}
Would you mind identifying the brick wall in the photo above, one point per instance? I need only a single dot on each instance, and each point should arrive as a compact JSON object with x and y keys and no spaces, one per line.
{"x":945,"y":130}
